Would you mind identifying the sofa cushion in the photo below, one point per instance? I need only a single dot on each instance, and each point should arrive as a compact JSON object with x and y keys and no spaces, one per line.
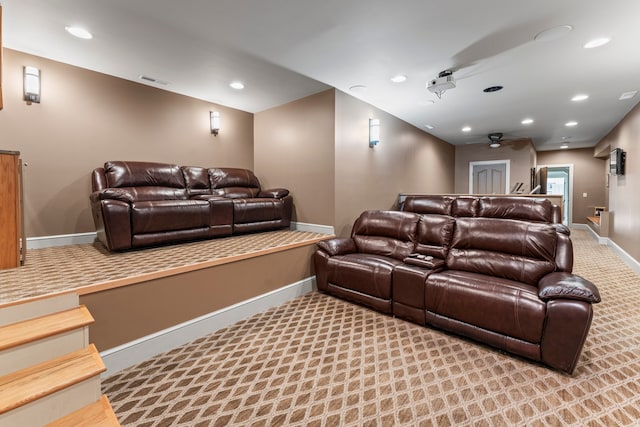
{"x":148,"y":193}
{"x":140,"y":174}
{"x":386,"y":233}
{"x":511,"y":249}
{"x":465,"y":206}
{"x":524,"y":208}
{"x":504,"y":306}
{"x":257,"y":210}
{"x":196,"y":180}
{"x":365,"y":273}
{"x":428,"y":204}
{"x":434,"y":235}
{"x":160,"y":215}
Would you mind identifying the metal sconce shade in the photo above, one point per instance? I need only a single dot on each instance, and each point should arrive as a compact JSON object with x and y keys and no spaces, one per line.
{"x":374,"y":132}
{"x":214,"y":116}
{"x":31,"y":84}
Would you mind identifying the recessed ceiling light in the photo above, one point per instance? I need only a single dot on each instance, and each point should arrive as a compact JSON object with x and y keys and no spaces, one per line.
{"x":427,"y":102}
{"x":571,"y":123}
{"x":564,"y":146}
{"x":357,"y":88}
{"x":466,"y":129}
{"x":399,"y":78}
{"x":79,"y":32}
{"x":492,"y":89}
{"x":552,"y":33}
{"x":580,"y":97}
{"x":565,"y":137}
{"x":628,"y":95}
{"x":237,"y":85}
{"x":429,"y":126}
{"x":597,"y":42}
{"x":527,"y":121}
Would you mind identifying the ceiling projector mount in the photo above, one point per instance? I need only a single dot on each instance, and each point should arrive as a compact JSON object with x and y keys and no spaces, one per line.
{"x":495,"y":139}
{"x":444,"y":82}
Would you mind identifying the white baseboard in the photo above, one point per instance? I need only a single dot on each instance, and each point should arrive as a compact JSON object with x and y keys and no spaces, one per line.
{"x":134,"y":352}
{"x":314,"y":228}
{"x":60,"y":240}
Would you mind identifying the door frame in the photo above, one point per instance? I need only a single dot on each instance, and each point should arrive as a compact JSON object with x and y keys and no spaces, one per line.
{"x":570,"y":195}
{"x":507,"y":175}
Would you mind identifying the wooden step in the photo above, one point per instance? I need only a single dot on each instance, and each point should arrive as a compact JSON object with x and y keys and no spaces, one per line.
{"x":97,"y":414}
{"x":27,"y":385}
{"x":42,"y":327}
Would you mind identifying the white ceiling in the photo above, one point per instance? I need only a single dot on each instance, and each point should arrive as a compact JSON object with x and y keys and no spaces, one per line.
{"x":283,"y":50}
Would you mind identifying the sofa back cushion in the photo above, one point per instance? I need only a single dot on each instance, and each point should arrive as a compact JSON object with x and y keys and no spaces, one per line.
{"x":524,"y":208}
{"x":511,"y":249}
{"x":428,"y":204}
{"x":387,"y":233}
{"x":233,"y":183}
{"x":434,"y":235}
{"x":146,"y":180}
{"x":196,"y":180}
{"x":465,"y":206}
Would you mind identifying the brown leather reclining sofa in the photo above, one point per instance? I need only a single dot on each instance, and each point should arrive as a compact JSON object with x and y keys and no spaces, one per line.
{"x":137,"y":204}
{"x":494,"y":269}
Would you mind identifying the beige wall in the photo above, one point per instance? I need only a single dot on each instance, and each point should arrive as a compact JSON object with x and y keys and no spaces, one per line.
{"x":624,"y":202}
{"x":86,"y":118}
{"x":294,"y":148}
{"x":521,"y":155}
{"x":406,"y":160}
{"x":589,"y":177}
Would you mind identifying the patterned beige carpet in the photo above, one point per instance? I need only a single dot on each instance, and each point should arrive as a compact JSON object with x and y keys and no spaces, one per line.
{"x":318,"y":360}
{"x":80,"y":267}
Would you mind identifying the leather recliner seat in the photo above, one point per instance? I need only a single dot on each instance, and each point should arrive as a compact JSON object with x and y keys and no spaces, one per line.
{"x":494,"y":269}
{"x":137,"y":204}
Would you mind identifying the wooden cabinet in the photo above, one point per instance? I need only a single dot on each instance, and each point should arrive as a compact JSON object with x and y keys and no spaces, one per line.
{"x":11,"y":235}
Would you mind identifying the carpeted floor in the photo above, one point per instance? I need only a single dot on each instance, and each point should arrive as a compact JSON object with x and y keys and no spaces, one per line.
{"x":318,"y":360}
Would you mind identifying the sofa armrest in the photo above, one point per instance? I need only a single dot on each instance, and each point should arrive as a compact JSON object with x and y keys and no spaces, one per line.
{"x":338,"y":246}
{"x":274,"y":193}
{"x":111,"y":194}
{"x":567,"y":286}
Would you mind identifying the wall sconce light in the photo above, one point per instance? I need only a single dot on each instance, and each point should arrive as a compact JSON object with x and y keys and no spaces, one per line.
{"x":374,"y":132}
{"x":31,"y":77}
{"x":214,"y":116}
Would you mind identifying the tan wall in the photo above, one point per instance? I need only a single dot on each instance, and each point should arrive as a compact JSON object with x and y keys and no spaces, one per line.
{"x":406,"y":160}
{"x":86,"y":118}
{"x":588,"y":177}
{"x":293,"y":148}
{"x":624,"y":203}
{"x":519,"y":153}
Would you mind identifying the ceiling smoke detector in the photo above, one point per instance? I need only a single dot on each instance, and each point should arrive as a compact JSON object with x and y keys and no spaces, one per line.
{"x":495,"y":139}
{"x":444,"y":82}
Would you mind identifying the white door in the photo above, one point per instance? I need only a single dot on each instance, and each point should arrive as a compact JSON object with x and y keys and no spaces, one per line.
{"x":489,"y":177}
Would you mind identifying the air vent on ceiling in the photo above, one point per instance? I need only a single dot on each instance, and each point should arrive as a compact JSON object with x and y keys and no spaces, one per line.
{"x":152,"y":80}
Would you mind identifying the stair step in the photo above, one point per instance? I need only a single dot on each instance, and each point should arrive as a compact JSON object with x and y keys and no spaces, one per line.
{"x":30,"y":330}
{"x":97,"y":414}
{"x":27,"y":385}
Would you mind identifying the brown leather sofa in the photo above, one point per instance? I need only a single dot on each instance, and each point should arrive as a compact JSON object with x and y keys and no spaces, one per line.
{"x":138,"y":204}
{"x":494,"y":269}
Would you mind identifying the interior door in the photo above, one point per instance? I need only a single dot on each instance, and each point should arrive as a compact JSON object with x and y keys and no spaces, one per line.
{"x":489,"y":178}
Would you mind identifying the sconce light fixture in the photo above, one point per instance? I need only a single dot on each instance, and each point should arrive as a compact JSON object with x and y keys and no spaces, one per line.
{"x":374,"y":132}
{"x":31,"y":84}
{"x":214,"y":116}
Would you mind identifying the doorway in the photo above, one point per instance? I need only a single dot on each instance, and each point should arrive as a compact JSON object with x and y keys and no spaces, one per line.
{"x":560,"y":181}
{"x":489,"y":177}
